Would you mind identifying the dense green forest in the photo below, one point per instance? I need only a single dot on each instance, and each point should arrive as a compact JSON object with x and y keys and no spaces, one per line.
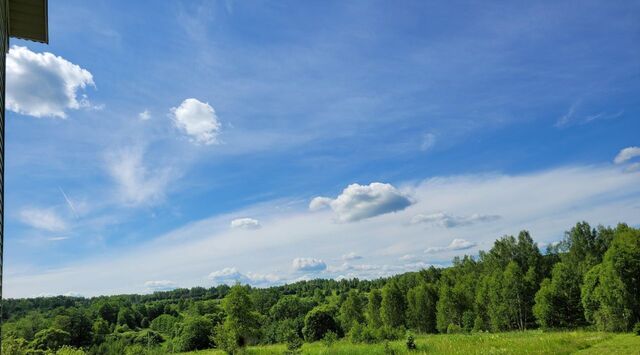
{"x":591,"y":279}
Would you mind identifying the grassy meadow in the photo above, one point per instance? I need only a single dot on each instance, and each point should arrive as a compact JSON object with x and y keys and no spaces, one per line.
{"x":529,"y":342}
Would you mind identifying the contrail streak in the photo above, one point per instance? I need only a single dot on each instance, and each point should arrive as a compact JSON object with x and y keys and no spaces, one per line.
{"x":73,"y":209}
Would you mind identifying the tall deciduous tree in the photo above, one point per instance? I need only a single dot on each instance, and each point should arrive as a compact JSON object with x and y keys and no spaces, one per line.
{"x":421,"y":308}
{"x":611,"y":290}
{"x":351,"y":310}
{"x":392,"y":308}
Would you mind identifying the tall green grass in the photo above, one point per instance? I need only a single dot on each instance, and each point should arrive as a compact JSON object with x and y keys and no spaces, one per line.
{"x":529,"y":342}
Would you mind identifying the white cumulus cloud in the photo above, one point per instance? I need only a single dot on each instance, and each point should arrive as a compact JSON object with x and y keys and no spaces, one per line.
{"x":45,"y":219}
{"x":43,"y":84}
{"x":308,"y":264}
{"x":456,"y":244}
{"x":198,"y":120}
{"x":245,"y":223}
{"x":357,"y":202}
{"x":444,"y":220}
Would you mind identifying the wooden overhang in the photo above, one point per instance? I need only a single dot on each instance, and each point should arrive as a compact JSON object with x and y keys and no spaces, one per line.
{"x":28,"y":20}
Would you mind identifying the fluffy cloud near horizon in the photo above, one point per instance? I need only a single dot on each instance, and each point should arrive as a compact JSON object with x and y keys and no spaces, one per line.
{"x":44,"y":219}
{"x":351,"y":256}
{"x":198,"y":120}
{"x":456,"y":244}
{"x":160,"y":285}
{"x":245,"y":223}
{"x":308,"y":264}
{"x":357,"y":202}
{"x":447,"y":221}
{"x":43,"y":84}
{"x":545,"y":202}
{"x":231,"y":275}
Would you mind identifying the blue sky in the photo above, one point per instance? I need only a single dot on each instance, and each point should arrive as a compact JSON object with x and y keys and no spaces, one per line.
{"x":174,"y":144}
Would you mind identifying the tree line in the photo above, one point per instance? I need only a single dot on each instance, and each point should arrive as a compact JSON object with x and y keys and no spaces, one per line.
{"x":589,"y":279}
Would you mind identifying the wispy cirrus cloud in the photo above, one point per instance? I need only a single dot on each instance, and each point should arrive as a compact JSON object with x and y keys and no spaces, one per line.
{"x":555,"y":200}
{"x":456,"y":244}
{"x":47,"y":219}
{"x":447,"y":221}
{"x":136,"y":183}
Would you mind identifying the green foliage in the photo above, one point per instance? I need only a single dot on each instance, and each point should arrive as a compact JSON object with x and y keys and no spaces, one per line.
{"x":319,"y":321}
{"x":242,"y":320}
{"x":373,"y":308}
{"x":164,"y":324}
{"x":454,"y":329}
{"x":591,"y":277}
{"x":226,"y":338}
{"x":636,"y":329}
{"x":294,"y":344}
{"x":411,"y":342}
{"x":50,"y":339}
{"x":194,"y":334}
{"x":421,"y":308}
{"x":67,"y":350}
{"x":329,"y":338}
{"x":126,"y":317}
{"x":351,"y":310}
{"x":611,"y":289}
{"x":14,"y":346}
{"x":557,"y":303}
{"x":392,"y":308}
{"x":290,"y":307}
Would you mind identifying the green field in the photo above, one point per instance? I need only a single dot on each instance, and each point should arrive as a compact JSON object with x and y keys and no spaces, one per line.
{"x":530,"y":342}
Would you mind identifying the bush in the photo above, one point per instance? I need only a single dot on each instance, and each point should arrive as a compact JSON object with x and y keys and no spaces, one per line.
{"x":195,"y":334}
{"x":67,"y":350}
{"x":225,"y":338}
{"x":50,"y":339}
{"x":388,"y":350}
{"x":319,"y":321}
{"x":454,"y":329}
{"x":164,"y":324}
{"x":330,"y":337}
{"x":411,"y":342}
{"x":294,"y":344}
{"x":636,"y":329}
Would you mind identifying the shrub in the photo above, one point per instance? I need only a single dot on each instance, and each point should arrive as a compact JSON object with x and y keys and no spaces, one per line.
{"x":330,"y":337}
{"x":388,"y":350}
{"x":164,"y":324}
{"x":67,"y":350}
{"x":411,"y":342}
{"x":50,"y":339}
{"x":319,"y":321}
{"x":225,"y":338}
{"x":636,"y":329}
{"x":454,"y":329}
{"x":194,"y":335}
{"x":294,"y":344}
